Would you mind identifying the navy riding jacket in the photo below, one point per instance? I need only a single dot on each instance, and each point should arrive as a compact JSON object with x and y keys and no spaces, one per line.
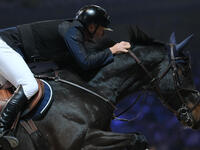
{"x":76,"y":40}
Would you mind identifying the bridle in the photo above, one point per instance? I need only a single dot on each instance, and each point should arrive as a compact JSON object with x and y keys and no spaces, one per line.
{"x":184,"y":113}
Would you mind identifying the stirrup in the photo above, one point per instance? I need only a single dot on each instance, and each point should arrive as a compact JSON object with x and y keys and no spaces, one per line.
{"x":13,"y":141}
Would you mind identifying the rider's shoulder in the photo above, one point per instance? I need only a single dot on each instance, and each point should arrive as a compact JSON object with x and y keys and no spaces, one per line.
{"x":70,"y":28}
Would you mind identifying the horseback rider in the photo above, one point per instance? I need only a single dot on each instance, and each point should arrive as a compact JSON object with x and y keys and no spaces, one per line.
{"x":93,"y":20}
{"x":14,"y":69}
{"x":50,"y":40}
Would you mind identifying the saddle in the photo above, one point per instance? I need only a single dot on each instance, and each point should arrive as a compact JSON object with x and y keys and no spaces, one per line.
{"x":5,"y":95}
{"x":38,"y":106}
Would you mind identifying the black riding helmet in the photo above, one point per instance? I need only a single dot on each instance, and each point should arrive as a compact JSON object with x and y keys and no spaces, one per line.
{"x":93,"y":14}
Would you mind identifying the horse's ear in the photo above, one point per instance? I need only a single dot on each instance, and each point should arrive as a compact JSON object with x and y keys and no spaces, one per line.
{"x":180,"y":47}
{"x":172,"y":39}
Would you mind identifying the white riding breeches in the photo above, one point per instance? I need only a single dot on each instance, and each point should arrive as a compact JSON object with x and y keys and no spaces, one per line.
{"x":14,"y":69}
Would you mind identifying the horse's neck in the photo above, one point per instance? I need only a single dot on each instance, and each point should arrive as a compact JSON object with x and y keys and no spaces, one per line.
{"x":124,"y":73}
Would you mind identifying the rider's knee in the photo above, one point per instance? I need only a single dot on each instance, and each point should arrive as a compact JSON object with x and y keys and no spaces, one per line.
{"x":34,"y":88}
{"x":30,"y":89}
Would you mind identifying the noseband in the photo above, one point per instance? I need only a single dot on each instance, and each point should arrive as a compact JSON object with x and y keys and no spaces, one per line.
{"x":184,"y":113}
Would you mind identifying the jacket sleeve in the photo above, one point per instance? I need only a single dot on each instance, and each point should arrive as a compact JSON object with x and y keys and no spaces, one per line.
{"x":74,"y":40}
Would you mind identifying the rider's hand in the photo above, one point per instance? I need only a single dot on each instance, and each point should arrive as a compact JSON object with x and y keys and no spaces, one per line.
{"x":120,"y":47}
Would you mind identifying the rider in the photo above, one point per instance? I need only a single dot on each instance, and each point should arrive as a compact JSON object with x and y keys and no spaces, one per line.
{"x":50,"y":39}
{"x":89,"y":24}
{"x":14,"y":69}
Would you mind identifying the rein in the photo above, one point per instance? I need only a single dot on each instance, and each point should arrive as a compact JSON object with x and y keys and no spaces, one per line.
{"x":56,"y":78}
{"x":154,"y":80}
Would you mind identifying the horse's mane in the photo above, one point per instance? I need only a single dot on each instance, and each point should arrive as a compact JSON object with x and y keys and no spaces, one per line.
{"x":139,"y":37}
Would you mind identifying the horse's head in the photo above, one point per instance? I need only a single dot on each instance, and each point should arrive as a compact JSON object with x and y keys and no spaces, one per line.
{"x":170,"y":77}
{"x":174,"y":83}
{"x":169,"y":65}
{"x":177,"y":89}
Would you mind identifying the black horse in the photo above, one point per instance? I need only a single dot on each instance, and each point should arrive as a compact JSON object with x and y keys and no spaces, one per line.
{"x":80,"y":120}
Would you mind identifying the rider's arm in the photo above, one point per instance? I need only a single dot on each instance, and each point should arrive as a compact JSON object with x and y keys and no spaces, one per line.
{"x":87,"y":61}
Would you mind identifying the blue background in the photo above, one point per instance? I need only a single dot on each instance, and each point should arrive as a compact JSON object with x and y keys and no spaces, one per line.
{"x":157,"y":18}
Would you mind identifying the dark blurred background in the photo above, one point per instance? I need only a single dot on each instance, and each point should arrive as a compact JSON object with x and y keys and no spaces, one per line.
{"x":155,"y":17}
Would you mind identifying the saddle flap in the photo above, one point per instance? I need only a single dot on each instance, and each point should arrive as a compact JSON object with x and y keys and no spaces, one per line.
{"x":5,"y":94}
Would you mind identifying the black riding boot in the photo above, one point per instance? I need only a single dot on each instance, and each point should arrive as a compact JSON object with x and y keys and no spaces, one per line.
{"x":14,"y":106}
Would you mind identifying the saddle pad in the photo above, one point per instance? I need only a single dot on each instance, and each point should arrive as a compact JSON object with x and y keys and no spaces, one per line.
{"x":44,"y":104}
